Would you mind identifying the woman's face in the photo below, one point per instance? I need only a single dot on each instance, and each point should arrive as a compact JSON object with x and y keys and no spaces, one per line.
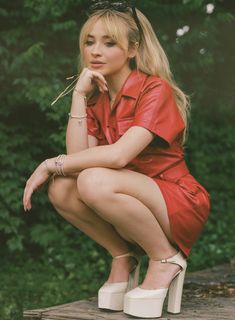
{"x":102,"y":54}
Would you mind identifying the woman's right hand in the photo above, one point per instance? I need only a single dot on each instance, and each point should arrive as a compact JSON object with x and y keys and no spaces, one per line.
{"x":87,"y":81}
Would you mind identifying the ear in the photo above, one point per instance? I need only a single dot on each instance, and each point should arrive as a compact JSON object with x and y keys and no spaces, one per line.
{"x":133,"y":50}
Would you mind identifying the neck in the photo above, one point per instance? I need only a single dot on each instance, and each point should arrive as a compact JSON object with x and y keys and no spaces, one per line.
{"x":116,"y":81}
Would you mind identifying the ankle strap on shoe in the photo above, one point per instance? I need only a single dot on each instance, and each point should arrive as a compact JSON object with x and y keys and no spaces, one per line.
{"x":131,"y":254}
{"x":176,"y":259}
{"x":128,"y":254}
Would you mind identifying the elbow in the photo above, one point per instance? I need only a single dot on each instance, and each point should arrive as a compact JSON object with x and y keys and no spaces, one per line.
{"x":119,"y":160}
{"x":120,"y":163}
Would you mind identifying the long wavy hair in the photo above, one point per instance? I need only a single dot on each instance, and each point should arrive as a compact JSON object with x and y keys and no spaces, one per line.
{"x":150,"y":58}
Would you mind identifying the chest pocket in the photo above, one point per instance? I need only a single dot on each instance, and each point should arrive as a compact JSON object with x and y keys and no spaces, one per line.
{"x":123,"y":125}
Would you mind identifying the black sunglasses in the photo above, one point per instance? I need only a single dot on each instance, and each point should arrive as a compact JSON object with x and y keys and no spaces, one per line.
{"x":121,"y":6}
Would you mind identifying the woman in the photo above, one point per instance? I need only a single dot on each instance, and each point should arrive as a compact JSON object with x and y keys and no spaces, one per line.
{"x":124,"y":181}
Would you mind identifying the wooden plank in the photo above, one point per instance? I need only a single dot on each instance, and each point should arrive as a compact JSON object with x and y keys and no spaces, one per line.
{"x":217,"y":308}
{"x":209,"y":294}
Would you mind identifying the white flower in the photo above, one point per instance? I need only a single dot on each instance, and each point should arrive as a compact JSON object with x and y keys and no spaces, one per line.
{"x":186,"y":29}
{"x":210,"y":8}
{"x":180,"y":32}
{"x":202,"y":51}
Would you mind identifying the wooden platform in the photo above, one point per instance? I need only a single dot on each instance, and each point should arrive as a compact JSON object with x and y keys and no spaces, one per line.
{"x":208,"y":295}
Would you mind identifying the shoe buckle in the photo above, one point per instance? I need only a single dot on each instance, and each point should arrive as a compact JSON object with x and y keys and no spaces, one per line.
{"x":164,"y":261}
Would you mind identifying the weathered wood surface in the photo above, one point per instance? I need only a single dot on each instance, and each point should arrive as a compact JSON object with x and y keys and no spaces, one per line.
{"x":208,"y":295}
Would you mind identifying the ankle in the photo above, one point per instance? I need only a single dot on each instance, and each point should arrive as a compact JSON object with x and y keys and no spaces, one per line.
{"x":119,"y":252}
{"x":159,"y":256}
{"x":162,"y":267}
{"x":119,"y":270}
{"x":159,"y":275}
{"x":122,"y":267}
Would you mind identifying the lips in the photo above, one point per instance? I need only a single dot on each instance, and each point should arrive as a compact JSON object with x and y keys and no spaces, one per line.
{"x":96,"y":64}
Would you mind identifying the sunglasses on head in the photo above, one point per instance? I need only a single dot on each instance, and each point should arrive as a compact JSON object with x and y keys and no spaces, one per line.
{"x":121,"y":6}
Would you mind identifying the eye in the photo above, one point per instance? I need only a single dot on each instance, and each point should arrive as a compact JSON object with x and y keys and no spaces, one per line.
{"x":89,"y":43}
{"x":110,"y":43}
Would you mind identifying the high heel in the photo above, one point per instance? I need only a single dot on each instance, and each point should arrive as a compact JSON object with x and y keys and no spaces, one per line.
{"x":111,"y":295}
{"x":149,"y":303}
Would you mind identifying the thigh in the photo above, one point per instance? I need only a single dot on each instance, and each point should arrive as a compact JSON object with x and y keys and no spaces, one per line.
{"x":134,"y":184}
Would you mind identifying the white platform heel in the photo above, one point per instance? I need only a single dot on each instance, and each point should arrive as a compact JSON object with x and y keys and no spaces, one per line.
{"x":111,"y":295}
{"x":146,"y":303}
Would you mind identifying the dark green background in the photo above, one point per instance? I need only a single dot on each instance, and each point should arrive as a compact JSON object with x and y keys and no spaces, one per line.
{"x":44,"y":260}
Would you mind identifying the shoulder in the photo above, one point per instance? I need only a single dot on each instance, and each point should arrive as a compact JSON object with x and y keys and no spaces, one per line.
{"x":156,"y":90}
{"x":156,"y":84}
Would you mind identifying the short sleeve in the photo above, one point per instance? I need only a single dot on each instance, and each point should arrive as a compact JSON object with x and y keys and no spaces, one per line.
{"x":93,"y":128}
{"x":157,"y":111}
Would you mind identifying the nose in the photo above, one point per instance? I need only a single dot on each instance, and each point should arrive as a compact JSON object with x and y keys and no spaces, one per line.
{"x":96,"y":50}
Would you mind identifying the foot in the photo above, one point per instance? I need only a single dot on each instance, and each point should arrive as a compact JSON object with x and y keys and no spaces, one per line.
{"x":159,"y":275}
{"x":120,"y":269}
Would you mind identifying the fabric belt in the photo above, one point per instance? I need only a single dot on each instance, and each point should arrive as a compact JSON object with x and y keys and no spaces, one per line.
{"x":175,"y":172}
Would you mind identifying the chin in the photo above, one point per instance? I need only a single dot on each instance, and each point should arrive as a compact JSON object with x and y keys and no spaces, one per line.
{"x":100,"y":70}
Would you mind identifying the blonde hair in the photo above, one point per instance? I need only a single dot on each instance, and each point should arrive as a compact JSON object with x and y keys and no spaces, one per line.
{"x":150,"y":57}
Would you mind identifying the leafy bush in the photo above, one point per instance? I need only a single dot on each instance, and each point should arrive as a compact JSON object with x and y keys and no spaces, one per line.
{"x":211,"y":157}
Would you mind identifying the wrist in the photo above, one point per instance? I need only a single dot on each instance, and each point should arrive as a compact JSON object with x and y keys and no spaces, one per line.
{"x":49,"y":164}
{"x":55,"y":166}
{"x":79,"y":93}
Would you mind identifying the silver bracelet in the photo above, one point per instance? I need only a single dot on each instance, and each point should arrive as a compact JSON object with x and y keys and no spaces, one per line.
{"x":83,"y":116}
{"x":79,"y":118}
{"x":59,"y":165}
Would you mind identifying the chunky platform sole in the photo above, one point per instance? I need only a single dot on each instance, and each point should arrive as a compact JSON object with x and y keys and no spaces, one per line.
{"x":146,"y":303}
{"x":111,"y":295}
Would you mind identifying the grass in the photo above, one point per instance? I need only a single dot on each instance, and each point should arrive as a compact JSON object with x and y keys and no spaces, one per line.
{"x":36,"y":284}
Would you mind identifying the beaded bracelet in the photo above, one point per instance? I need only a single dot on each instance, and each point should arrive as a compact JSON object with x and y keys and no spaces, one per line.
{"x":59,"y":165}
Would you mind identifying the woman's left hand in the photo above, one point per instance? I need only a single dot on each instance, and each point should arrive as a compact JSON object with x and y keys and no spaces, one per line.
{"x":37,"y":180}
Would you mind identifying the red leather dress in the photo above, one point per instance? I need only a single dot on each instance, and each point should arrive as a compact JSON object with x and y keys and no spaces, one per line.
{"x":148,"y":101}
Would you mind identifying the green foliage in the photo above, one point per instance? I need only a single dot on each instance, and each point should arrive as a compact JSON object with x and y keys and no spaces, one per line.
{"x":38,"y":50}
{"x":211,"y":158}
{"x":43,"y":283}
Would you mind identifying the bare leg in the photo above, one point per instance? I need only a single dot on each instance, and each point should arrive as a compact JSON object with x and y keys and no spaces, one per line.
{"x":64,"y":196}
{"x":134,"y":203}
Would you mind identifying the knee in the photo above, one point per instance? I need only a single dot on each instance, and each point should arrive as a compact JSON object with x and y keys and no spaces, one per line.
{"x":59,"y":190}
{"x":93,"y":185}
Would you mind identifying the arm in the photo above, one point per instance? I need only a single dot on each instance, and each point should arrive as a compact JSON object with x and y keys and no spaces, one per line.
{"x":76,"y":133}
{"x":77,"y":138}
{"x":116,"y":156}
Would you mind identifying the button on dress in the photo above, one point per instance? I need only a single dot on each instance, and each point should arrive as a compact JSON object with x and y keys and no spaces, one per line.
{"x":148,"y":101}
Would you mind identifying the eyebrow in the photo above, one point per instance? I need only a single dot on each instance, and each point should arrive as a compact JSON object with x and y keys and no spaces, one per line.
{"x":104,"y":37}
